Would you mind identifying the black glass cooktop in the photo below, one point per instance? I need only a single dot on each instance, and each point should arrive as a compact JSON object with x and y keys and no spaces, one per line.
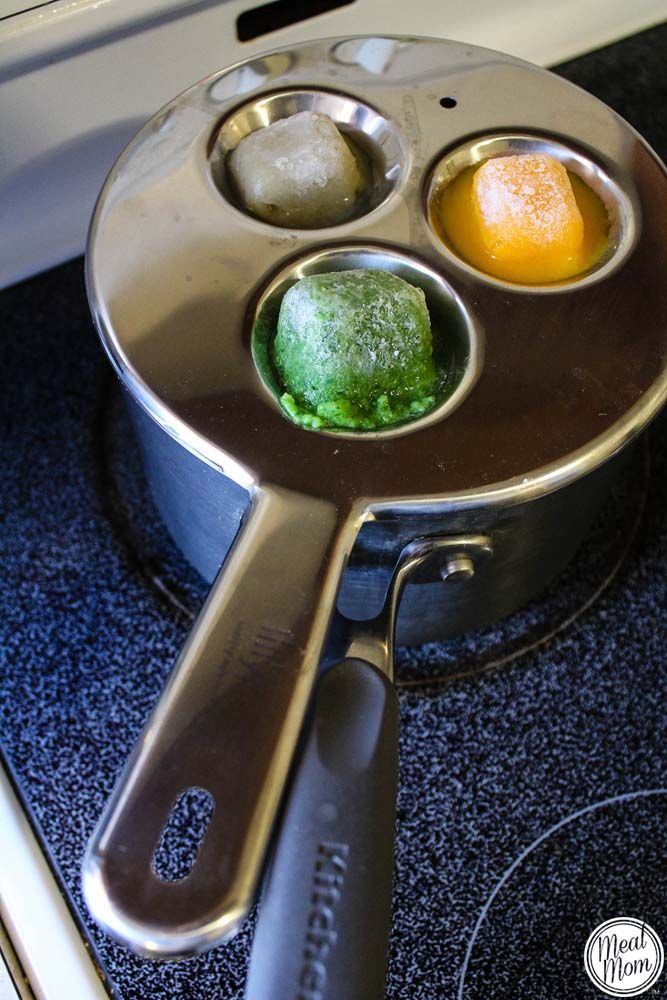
{"x":533,"y":781}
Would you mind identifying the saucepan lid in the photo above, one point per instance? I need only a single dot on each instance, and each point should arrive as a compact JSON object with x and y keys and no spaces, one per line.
{"x":557,"y":378}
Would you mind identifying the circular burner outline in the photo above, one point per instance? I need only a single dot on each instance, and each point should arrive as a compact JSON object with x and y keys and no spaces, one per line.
{"x":518,"y":861}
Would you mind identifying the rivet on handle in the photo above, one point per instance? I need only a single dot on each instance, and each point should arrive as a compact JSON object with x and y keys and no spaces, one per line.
{"x":458,"y":567}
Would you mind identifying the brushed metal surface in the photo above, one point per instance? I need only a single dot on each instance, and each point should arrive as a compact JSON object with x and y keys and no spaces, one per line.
{"x":176,"y":274}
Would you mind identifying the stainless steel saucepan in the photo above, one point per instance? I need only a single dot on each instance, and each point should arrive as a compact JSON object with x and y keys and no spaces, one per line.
{"x":548,"y":386}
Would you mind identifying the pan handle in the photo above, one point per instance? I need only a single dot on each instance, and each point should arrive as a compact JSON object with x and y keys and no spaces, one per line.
{"x":324,"y":917}
{"x":227,"y":722}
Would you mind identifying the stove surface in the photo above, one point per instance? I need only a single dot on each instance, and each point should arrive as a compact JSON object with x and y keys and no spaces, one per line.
{"x":533,"y":782}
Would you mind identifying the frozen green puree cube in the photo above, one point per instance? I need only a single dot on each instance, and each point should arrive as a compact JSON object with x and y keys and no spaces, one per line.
{"x":354,"y":349}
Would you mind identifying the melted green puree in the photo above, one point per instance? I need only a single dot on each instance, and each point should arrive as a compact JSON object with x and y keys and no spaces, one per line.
{"x":354,"y":350}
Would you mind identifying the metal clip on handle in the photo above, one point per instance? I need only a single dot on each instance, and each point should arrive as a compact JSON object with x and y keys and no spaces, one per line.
{"x":227,"y":722}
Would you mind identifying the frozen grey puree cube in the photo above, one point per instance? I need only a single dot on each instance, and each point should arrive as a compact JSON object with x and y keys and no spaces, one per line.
{"x":297,"y":172}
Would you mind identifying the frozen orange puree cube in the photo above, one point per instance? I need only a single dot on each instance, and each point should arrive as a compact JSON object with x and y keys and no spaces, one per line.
{"x":526,"y":209}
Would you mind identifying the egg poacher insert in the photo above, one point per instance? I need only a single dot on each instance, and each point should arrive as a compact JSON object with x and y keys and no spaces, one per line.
{"x":179,"y":277}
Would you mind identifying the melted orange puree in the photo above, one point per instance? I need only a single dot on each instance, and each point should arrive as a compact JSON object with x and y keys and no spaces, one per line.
{"x":455,"y":219}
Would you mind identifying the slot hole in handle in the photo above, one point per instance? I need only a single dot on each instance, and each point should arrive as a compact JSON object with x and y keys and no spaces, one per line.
{"x":183,"y":834}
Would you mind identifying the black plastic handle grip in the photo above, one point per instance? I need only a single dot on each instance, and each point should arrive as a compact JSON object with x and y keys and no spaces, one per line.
{"x":324,"y":917}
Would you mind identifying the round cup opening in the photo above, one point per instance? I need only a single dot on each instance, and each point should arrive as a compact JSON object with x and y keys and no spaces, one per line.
{"x":457,"y":343}
{"x":373,"y":139}
{"x":621,"y":208}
